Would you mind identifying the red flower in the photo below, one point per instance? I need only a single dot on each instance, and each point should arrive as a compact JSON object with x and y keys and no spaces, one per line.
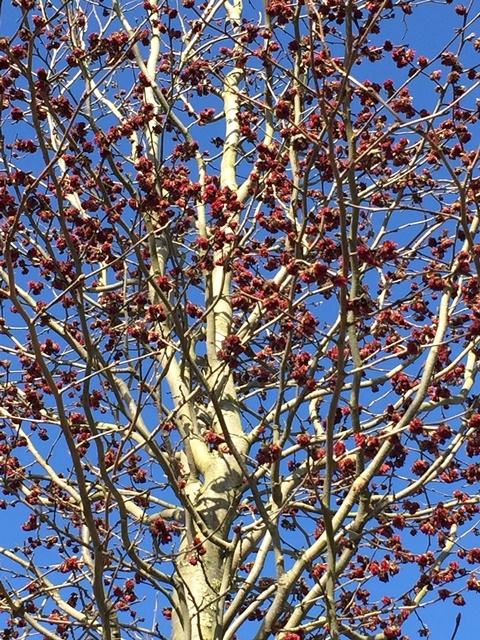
{"x":69,"y":565}
{"x":268,"y":454}
{"x":161,"y":530}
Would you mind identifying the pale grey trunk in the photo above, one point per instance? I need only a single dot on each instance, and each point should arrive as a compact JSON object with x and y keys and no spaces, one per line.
{"x":198,"y":597}
{"x":199,"y":578}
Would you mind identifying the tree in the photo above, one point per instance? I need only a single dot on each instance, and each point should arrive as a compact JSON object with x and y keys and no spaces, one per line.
{"x":240,"y":300}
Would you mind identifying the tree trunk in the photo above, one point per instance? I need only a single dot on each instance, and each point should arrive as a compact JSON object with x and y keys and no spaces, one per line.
{"x":202,"y":563}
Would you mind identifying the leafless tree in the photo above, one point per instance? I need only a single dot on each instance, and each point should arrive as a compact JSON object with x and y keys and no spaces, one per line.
{"x":240,"y":300}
